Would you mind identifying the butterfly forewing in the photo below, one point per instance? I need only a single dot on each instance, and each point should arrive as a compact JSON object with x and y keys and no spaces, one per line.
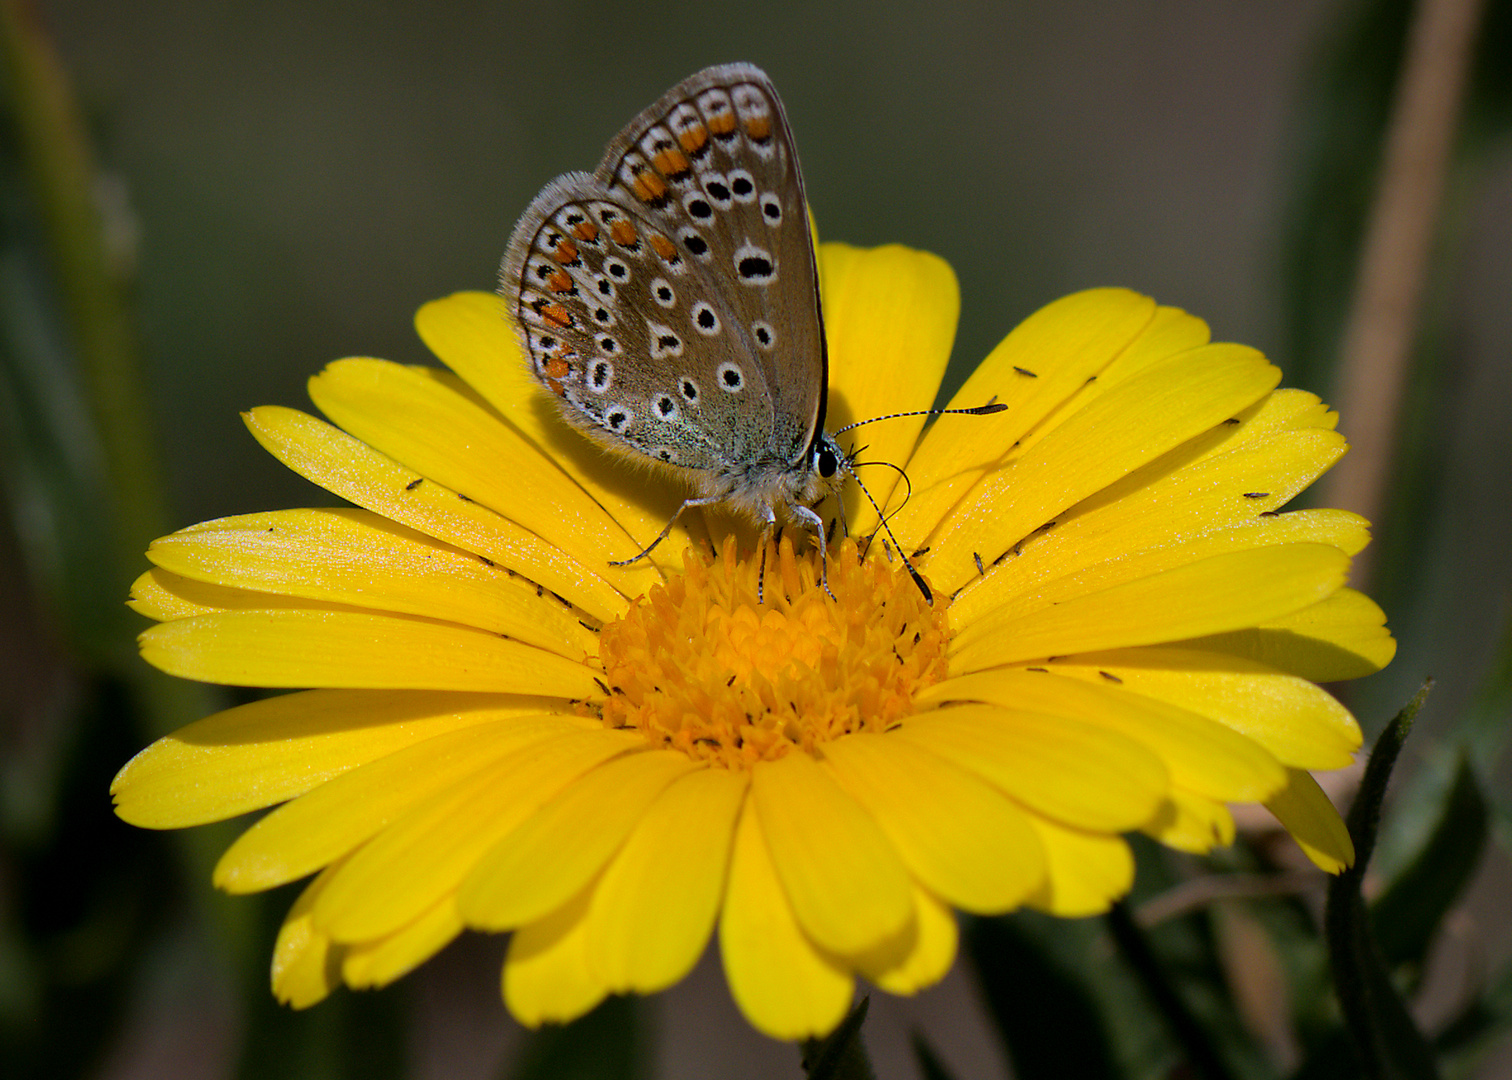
{"x":714,"y":162}
{"x":671,"y":299}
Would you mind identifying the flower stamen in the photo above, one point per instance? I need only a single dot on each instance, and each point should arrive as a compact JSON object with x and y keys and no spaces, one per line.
{"x":699,"y":664}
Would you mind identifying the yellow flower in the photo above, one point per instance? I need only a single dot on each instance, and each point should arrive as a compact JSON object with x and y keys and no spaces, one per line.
{"x":510,"y":733}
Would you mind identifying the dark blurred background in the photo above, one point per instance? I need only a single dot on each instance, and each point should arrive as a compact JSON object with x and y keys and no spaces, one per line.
{"x":291,"y":180}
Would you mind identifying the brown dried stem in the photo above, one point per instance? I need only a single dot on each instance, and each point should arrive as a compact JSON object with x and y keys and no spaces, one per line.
{"x":1383,"y":319}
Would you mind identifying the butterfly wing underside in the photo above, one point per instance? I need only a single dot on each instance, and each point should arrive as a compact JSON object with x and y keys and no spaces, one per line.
{"x":670,"y":300}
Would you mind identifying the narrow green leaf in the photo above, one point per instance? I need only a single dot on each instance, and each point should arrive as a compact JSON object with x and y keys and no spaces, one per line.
{"x":1387,"y":1042}
{"x":1408,"y":913}
{"x":610,"y":1043}
{"x":1048,"y":1021}
{"x":840,"y":1055}
{"x":1202,"y":1056}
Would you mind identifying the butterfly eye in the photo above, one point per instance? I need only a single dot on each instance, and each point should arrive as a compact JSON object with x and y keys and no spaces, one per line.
{"x":826,"y":464}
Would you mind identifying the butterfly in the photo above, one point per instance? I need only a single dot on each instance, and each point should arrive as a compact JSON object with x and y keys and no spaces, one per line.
{"x":669,"y":301}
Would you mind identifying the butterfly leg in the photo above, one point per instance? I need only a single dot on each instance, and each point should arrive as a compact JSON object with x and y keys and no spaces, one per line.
{"x":814,"y":521}
{"x":769,"y":531}
{"x":666,"y":532}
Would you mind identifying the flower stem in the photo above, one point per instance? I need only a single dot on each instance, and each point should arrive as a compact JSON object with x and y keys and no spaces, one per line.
{"x":1201,"y":1054}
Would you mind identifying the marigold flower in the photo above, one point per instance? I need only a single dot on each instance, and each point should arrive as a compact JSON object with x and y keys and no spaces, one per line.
{"x":507,"y":732}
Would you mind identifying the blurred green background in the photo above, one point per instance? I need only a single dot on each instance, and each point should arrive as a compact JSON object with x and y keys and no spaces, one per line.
{"x":287,"y":182}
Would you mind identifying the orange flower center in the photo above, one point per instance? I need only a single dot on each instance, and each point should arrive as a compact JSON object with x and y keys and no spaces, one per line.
{"x":700,"y":665}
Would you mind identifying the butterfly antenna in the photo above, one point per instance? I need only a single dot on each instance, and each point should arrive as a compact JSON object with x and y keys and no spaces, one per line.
{"x":907,"y":483}
{"x":980,"y":410}
{"x":912,"y":570}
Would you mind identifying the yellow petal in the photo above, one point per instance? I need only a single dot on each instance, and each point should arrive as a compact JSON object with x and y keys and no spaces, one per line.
{"x":960,"y":837}
{"x":160,"y":595}
{"x":1342,"y":637}
{"x":470,"y":333}
{"x":306,"y":968}
{"x":1287,"y":409}
{"x":357,"y":558}
{"x":1192,"y":823}
{"x":1086,"y":871}
{"x":1096,"y":445}
{"x":1080,"y":775}
{"x":548,"y":977}
{"x":355,"y":471}
{"x":425,"y":853}
{"x":931,"y":950}
{"x":1001,"y":596}
{"x":890,"y":319}
{"x":427,"y":420}
{"x":1305,"y":812}
{"x":1219,"y":593}
{"x":785,"y":987}
{"x":1172,"y":502}
{"x":267,"y":751}
{"x":1062,"y":345}
{"x":847,"y":886}
{"x":351,"y":650}
{"x":1297,"y":721}
{"x":655,"y":906}
{"x":1198,"y":752}
{"x":553,"y":853}
{"x":378,"y":963}
{"x":338,"y":816}
{"x":1169,"y":331}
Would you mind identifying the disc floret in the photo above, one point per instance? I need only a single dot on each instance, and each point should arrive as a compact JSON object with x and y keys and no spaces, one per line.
{"x":741,"y":659}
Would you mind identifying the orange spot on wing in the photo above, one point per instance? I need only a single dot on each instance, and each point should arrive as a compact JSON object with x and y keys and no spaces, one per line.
{"x":662,"y":246}
{"x":722,"y":123}
{"x":624,"y":233}
{"x":566,"y":252}
{"x":559,"y":281}
{"x":759,"y":128}
{"x":671,"y":163}
{"x":648,"y":186}
{"x":556,"y":388}
{"x":556,"y":368}
{"x":556,"y":314}
{"x":586,"y":231}
{"x":694,"y":138}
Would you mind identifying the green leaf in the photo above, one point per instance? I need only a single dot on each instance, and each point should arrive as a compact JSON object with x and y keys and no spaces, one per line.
{"x":610,"y":1043}
{"x":840,"y":1055}
{"x":1047,"y":1020}
{"x":1387,"y":1042}
{"x":1408,"y":913}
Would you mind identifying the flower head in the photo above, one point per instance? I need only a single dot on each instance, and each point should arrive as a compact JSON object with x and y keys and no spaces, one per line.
{"x":509,"y":732}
